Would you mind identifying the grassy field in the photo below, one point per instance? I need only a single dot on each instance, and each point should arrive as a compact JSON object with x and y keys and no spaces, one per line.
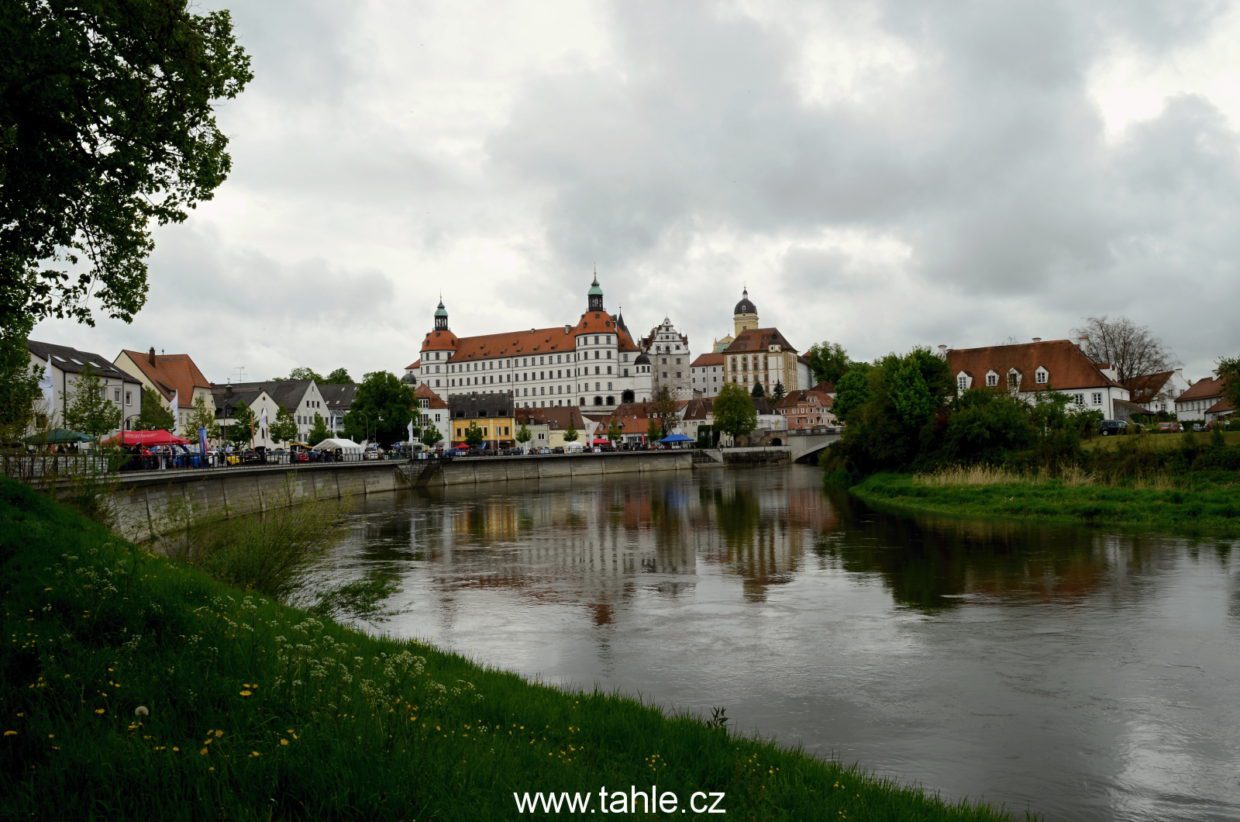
{"x":1202,"y":503}
{"x":136,"y":688}
{"x":1157,"y":441}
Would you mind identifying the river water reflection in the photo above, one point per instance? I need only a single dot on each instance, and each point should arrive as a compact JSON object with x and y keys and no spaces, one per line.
{"x":1075,"y":673}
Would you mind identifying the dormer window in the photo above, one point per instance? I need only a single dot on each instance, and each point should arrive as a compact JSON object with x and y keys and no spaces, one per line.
{"x":1041,"y":376}
{"x":1013,"y":380}
{"x":962,"y":382}
{"x":992,"y":379}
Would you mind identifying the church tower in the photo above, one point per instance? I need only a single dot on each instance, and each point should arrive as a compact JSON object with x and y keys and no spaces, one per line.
{"x":441,"y":317}
{"x":745,"y":315}
{"x":595,"y":295}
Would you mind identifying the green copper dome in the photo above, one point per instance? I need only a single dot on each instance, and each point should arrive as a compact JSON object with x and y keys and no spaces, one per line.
{"x":595,"y":290}
{"x":441,"y":311}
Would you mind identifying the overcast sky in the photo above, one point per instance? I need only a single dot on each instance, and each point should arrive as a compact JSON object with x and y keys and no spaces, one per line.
{"x":883,"y":175}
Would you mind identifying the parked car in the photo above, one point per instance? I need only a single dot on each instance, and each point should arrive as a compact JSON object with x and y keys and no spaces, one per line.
{"x":1169,"y":427}
{"x":1110,"y":428}
{"x":373,"y":452}
{"x":559,"y":449}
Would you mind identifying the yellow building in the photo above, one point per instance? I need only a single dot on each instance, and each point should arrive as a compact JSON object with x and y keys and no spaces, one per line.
{"x":762,"y":356}
{"x":492,"y":412}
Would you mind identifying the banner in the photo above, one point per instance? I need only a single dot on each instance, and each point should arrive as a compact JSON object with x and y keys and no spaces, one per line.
{"x":263,"y":428}
{"x":176,"y":411}
{"x":202,"y":442}
{"x":410,"y":430}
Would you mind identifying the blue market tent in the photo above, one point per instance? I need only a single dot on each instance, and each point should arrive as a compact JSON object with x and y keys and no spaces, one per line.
{"x":674,"y":438}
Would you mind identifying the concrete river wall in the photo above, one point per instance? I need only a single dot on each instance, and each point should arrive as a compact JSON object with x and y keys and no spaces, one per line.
{"x":148,"y":504}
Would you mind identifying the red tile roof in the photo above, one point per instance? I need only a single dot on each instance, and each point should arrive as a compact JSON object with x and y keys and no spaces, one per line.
{"x":423,"y":392}
{"x":557,"y":418}
{"x":1146,"y":387}
{"x":1066,"y":365}
{"x":559,"y":339}
{"x":439,"y":341}
{"x":707,"y":360}
{"x":415,"y":364}
{"x":1223,"y":406}
{"x":813,"y":396}
{"x":170,"y":373}
{"x":752,"y":340}
{"x":1206,"y":388}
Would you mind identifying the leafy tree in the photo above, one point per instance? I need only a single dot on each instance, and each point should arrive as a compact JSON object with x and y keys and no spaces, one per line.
{"x":734,"y":411}
{"x":1131,"y":349}
{"x":338,"y":377}
{"x":430,"y":436}
{"x":523,"y":435}
{"x":90,"y":411}
{"x":284,"y":428}
{"x":202,"y":416}
{"x":778,"y":393}
{"x":241,"y":430}
{"x":318,"y":431}
{"x":19,"y":390}
{"x":107,"y":129}
{"x":302,"y":373}
{"x":474,"y":435}
{"x":653,"y":432}
{"x":1228,"y":370}
{"x":852,"y":391}
{"x":828,"y":361}
{"x":758,"y":391}
{"x":664,"y":409}
{"x":614,"y":432}
{"x":570,"y":433}
{"x":381,"y":409}
{"x":986,"y":426}
{"x":153,"y":415}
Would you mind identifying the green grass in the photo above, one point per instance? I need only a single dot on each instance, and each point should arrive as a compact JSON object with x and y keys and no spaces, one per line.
{"x":257,"y":710}
{"x":1197,"y":504}
{"x":1157,"y":441}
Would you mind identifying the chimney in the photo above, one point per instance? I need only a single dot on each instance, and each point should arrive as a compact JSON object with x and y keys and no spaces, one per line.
{"x":1037,"y":339}
{"x":150,"y":355}
{"x":1082,"y":341}
{"x":942,"y":351}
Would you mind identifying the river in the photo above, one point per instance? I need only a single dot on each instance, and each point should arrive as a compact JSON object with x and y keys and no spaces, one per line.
{"x":1080,"y":674}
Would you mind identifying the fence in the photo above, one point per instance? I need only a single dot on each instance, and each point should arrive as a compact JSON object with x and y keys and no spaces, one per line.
{"x":37,"y":468}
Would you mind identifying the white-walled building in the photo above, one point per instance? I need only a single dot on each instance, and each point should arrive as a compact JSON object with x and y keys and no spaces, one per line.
{"x":670,"y":361}
{"x":63,"y":367}
{"x":594,"y":364}
{"x":706,"y":374}
{"x":229,"y":397}
{"x":761,"y":355}
{"x":1199,"y":400}
{"x":1157,"y":392}
{"x":1027,"y":369}
{"x":434,"y":412}
{"x":301,"y":398}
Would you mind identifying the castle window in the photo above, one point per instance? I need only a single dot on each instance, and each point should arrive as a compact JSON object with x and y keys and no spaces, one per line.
{"x":992,"y":379}
{"x":1041,"y":377}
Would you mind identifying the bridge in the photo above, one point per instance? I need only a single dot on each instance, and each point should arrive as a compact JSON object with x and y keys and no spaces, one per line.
{"x":793,"y":446}
{"x":809,"y":446}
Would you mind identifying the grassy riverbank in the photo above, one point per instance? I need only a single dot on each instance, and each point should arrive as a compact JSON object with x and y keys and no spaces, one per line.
{"x":133,"y":687}
{"x":1206,"y":503}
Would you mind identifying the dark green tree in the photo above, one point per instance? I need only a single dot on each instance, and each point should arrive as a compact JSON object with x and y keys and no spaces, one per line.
{"x":318,"y":431}
{"x":153,"y":415}
{"x":284,"y":429}
{"x":302,"y":373}
{"x":758,"y":391}
{"x":338,"y":376}
{"x":241,"y":430}
{"x":431,"y":436}
{"x":570,"y":433}
{"x":1228,"y":370}
{"x":828,"y":361}
{"x":852,"y":391}
{"x":19,"y":391}
{"x":664,"y":410}
{"x":381,"y":409}
{"x":200,"y":415}
{"x":107,"y":129}
{"x":734,"y":411}
{"x":986,"y":426}
{"x":614,"y":432}
{"x":778,"y":393}
{"x":474,"y":435}
{"x":653,"y":432}
{"x":89,"y":410}
{"x":523,"y":435}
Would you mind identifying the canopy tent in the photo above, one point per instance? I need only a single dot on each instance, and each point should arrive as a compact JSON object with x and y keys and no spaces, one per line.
{"x":601,"y":441}
{"x":58,"y":436}
{"x":334,"y":443}
{"x":157,"y":437}
{"x":676,"y":438}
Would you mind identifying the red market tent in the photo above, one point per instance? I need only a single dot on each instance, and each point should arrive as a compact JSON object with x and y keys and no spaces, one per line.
{"x":601,"y":441}
{"x":156,"y":437}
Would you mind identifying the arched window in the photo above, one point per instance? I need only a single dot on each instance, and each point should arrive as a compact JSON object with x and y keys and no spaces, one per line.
{"x":627,"y":396}
{"x":598,"y":400}
{"x":611,"y":400}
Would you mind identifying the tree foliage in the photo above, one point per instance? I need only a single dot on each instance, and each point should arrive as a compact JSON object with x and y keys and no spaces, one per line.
{"x":200,"y":416}
{"x":1228,"y":370}
{"x":828,"y":361}
{"x":107,"y":129}
{"x":852,"y":391}
{"x":338,"y":377}
{"x":302,"y":373}
{"x":664,"y":410}
{"x":474,"y":435}
{"x":614,"y":431}
{"x":734,"y":411}
{"x":1131,"y":349}
{"x":153,"y":415}
{"x":523,"y":434}
{"x":570,"y":433}
{"x":318,"y":431}
{"x":89,"y":409}
{"x":431,"y":435}
{"x":241,"y":430}
{"x":758,"y":391}
{"x":381,"y":409}
{"x":985,"y":426}
{"x":284,"y":429}
{"x":19,"y":389}
{"x":778,"y":392}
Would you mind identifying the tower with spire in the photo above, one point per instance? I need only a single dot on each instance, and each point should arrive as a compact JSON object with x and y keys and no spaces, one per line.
{"x":595,"y":294}
{"x":745,"y":315}
{"x":441,"y":316}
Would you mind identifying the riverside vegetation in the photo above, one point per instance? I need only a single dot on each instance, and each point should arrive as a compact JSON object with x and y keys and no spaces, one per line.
{"x":135,"y":686}
{"x":910,"y":444}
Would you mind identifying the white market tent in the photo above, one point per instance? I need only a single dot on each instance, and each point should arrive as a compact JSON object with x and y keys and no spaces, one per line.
{"x":331,"y":443}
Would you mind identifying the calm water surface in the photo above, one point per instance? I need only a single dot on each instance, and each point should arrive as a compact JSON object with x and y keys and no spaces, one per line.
{"x":1075,"y":673}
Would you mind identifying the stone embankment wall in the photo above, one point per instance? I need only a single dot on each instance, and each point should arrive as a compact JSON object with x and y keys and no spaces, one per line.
{"x":149,"y":504}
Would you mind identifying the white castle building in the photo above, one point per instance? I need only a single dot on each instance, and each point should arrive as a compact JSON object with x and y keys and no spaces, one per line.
{"x":593,"y":364}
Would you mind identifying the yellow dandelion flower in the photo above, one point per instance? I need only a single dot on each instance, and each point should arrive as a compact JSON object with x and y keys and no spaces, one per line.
{"x":283,"y":743}
{"x":219,"y":734}
{"x":10,"y":733}
{"x":254,"y":754}
{"x":202,"y":752}
{"x":101,"y":711}
{"x":247,"y":693}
